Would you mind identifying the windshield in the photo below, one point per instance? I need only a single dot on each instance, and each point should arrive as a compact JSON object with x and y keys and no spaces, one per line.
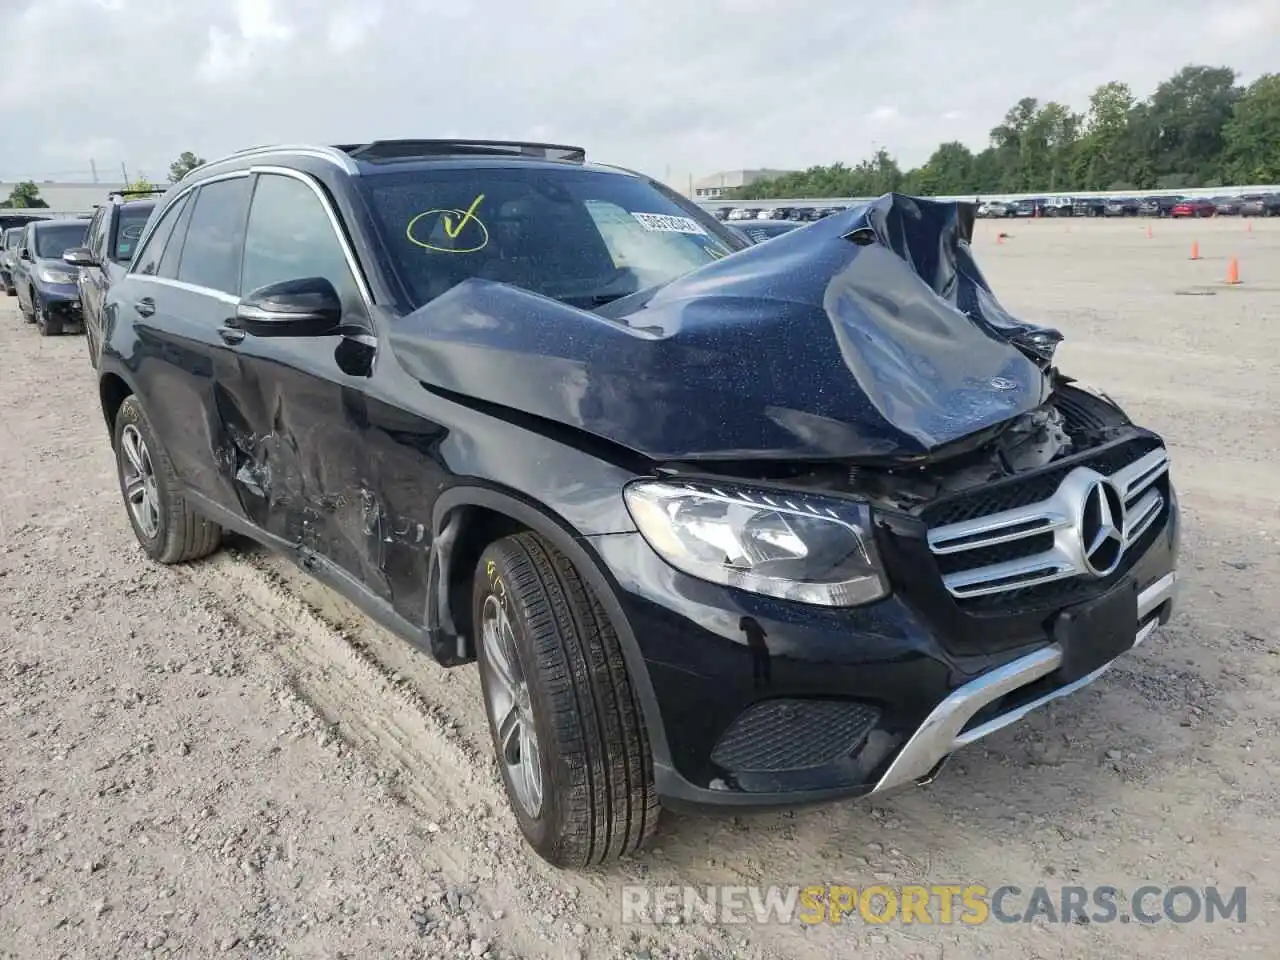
{"x":129,"y":229}
{"x":580,"y":236}
{"x":54,"y":240}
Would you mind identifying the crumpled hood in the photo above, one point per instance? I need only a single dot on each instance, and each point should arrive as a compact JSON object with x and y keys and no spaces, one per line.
{"x":869,"y":334}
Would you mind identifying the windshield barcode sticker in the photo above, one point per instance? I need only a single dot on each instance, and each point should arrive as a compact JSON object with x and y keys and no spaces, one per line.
{"x":665,"y":223}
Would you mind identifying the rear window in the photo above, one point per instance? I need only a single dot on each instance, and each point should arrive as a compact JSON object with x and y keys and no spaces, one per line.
{"x":55,"y":239}
{"x":584,"y":237}
{"x":129,"y":229}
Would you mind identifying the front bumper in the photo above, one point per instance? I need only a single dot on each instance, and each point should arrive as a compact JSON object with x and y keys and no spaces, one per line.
{"x":63,"y":303}
{"x":842,"y":703}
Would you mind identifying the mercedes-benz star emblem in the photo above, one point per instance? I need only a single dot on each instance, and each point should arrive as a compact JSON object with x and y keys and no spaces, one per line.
{"x":1002,"y":383}
{"x":1102,"y":528}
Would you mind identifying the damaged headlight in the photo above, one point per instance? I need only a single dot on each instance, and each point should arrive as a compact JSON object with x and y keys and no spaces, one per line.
{"x":812,"y":550}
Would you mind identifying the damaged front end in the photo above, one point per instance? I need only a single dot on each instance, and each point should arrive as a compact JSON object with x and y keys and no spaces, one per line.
{"x":869,"y":336}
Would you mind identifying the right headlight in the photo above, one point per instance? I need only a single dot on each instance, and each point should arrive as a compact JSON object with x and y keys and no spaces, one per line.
{"x":809,"y":549}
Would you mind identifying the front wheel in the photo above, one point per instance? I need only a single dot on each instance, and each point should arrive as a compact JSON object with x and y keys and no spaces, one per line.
{"x":166,"y":527}
{"x":567,"y":727}
{"x":48,"y":326}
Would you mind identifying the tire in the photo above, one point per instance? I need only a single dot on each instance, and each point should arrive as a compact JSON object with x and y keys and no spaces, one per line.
{"x":178,"y":533}
{"x":29,"y":317}
{"x":595,"y":797}
{"x":47,"y":325}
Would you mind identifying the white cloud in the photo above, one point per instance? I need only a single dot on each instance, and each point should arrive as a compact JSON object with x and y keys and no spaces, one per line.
{"x":669,"y":84}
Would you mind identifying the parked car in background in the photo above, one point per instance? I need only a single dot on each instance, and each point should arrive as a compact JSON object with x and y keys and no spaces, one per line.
{"x":10,"y":241}
{"x":745,"y":213}
{"x":1260,"y":205}
{"x":47,"y":292}
{"x":1158,"y":206}
{"x":829,"y":211}
{"x":1030,"y":207}
{"x":1121,"y":207}
{"x":110,"y":242}
{"x":779,"y":213}
{"x":1193,"y":207}
{"x":1226,"y":206}
{"x":722,"y":213}
{"x":762,"y":230}
{"x":8,"y":220}
{"x":1089,"y":207}
{"x":1057,"y":207}
{"x":804,"y":214}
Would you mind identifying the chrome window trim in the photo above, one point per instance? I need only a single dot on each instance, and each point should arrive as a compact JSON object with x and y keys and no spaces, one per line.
{"x":189,"y":287}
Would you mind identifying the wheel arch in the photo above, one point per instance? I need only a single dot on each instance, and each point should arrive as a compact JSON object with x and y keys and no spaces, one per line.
{"x":113,"y":390}
{"x":468,"y":518}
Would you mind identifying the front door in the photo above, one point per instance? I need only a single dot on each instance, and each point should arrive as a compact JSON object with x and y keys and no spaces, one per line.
{"x":293,"y":408}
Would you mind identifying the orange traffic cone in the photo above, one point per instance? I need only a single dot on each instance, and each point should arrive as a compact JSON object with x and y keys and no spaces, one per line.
{"x":1195,"y":250}
{"x":1233,"y":271}
{"x":1248,"y":226}
{"x":1148,"y":231}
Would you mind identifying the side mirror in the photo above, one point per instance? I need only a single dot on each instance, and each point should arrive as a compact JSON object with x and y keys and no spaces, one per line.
{"x":292,"y":308}
{"x":25,"y":254}
{"x":80,"y":257}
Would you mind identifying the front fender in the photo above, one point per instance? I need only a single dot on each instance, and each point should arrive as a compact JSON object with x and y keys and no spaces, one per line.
{"x":448,"y":529}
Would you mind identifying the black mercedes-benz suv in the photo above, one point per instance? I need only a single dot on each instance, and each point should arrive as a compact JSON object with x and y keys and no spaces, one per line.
{"x":724,"y":524}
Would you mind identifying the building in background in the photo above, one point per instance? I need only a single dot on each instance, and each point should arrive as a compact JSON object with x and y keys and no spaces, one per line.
{"x":64,"y":198}
{"x":720,"y":184}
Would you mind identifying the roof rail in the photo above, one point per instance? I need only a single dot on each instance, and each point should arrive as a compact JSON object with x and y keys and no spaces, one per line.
{"x":391,"y":150}
{"x":336,"y":157}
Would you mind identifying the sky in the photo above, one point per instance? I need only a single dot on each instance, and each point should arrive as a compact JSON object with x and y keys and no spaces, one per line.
{"x":675,"y":88}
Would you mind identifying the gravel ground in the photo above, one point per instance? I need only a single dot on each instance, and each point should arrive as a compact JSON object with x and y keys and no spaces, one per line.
{"x":226,"y":759}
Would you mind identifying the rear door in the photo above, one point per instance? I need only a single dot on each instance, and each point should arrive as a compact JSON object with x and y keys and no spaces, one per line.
{"x":293,"y":408}
{"x":182,"y":295}
{"x":92,"y":280}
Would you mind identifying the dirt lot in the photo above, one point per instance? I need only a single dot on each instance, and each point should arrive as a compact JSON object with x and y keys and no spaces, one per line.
{"x":224,"y":759}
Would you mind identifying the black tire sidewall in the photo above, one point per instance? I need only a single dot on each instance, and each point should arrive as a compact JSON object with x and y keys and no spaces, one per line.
{"x":493,"y":578}
{"x":131,"y":412}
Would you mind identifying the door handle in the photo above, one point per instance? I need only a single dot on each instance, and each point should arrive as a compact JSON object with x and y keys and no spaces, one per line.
{"x":146,"y":306}
{"x":231,"y":335}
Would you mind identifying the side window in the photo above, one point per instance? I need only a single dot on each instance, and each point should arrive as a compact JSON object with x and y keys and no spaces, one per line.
{"x":148,"y":259}
{"x":290,"y":237}
{"x":214,"y":242}
{"x":173,"y":249}
{"x":94,"y":233}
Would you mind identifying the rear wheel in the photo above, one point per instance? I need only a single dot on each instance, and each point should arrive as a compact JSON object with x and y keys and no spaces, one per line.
{"x":166,"y":527}
{"x":567,"y":727}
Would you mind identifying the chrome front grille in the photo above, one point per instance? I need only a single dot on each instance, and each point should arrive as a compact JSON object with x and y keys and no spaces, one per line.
{"x":1053,"y":538}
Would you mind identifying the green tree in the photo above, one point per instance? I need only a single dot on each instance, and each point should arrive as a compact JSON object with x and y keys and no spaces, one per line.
{"x":25,"y":195}
{"x":1197,"y":128}
{"x":141,"y":184}
{"x":1187,"y":114}
{"x":1251,"y":137}
{"x":186,"y":162}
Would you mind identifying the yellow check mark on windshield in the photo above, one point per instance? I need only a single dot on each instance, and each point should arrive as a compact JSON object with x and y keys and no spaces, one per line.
{"x":450,"y":230}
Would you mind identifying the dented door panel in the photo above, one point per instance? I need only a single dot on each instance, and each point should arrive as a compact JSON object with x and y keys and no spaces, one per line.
{"x":294,"y":428}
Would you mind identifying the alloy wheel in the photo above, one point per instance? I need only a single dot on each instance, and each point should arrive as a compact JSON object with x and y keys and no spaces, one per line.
{"x":139,"y":478}
{"x":510,"y":710}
